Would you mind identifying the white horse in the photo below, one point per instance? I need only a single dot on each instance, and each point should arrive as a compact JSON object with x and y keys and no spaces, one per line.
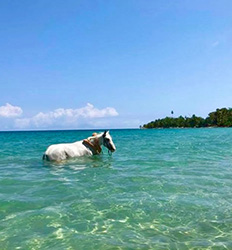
{"x":59,"y":152}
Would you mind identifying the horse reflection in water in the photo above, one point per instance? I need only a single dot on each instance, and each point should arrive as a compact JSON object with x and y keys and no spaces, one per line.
{"x":90,"y":146}
{"x":79,"y":163}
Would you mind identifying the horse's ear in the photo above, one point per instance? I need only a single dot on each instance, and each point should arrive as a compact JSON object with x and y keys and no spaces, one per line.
{"x":104,"y":134}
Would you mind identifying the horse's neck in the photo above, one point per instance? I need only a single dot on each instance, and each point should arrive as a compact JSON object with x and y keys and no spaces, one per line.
{"x":99,"y":140}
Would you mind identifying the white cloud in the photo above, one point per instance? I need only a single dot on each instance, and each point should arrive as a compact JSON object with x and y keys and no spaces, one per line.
{"x":66,"y":118}
{"x":10,"y":111}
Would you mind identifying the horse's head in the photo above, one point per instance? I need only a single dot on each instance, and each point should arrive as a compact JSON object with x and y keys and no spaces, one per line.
{"x":108,"y":142}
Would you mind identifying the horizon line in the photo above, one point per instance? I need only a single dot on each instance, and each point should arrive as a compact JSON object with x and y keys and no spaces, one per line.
{"x":79,"y":129}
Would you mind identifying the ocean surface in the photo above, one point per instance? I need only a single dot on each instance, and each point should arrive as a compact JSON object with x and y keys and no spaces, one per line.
{"x":161,"y":189}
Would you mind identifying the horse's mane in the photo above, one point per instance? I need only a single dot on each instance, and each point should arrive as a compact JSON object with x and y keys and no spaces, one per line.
{"x":90,"y":138}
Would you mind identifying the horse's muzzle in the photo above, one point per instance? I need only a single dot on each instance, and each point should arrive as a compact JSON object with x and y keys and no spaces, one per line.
{"x":113,"y":149}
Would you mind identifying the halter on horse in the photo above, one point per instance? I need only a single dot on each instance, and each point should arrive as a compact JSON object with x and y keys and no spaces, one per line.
{"x":107,"y":141}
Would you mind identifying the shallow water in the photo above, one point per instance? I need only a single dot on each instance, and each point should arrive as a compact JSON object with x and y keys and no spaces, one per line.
{"x":161,"y":189}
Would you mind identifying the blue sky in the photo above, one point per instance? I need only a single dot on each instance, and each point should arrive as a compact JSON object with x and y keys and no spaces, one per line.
{"x":115,"y":64}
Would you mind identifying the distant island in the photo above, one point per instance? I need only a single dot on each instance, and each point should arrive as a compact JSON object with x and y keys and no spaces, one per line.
{"x":219,"y":118}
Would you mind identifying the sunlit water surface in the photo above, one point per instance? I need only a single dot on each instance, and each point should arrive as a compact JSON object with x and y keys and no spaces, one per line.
{"x":161,"y":189}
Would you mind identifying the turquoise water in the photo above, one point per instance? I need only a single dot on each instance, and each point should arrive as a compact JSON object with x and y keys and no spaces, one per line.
{"x":161,"y":189}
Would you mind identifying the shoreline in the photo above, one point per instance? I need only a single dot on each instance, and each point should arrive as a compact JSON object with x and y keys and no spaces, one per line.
{"x":210,"y":127}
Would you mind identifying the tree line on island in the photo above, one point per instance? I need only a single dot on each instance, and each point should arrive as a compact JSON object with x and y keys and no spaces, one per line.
{"x":219,"y":118}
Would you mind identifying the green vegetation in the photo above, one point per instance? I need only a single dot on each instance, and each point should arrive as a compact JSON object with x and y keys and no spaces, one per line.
{"x":219,"y":118}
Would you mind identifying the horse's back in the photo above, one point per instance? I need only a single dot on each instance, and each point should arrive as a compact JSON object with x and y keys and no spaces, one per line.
{"x":59,"y":152}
